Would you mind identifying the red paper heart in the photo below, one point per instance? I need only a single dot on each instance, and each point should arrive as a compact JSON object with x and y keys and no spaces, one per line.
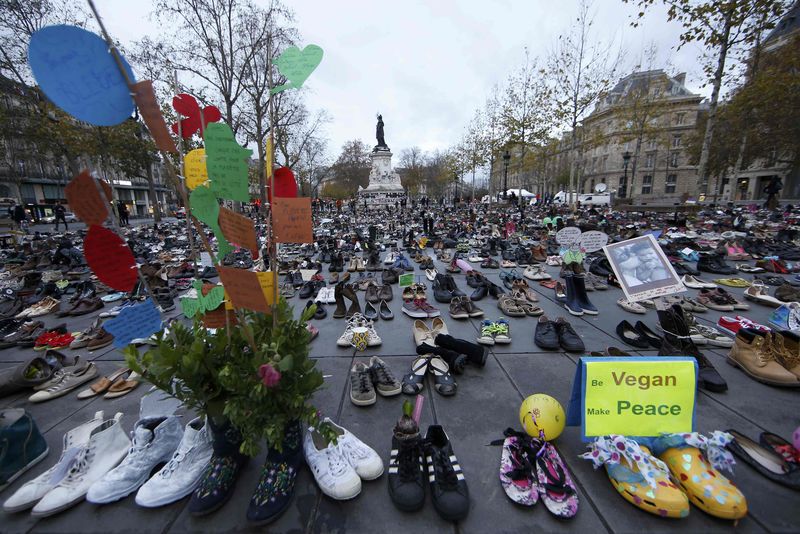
{"x":187,"y":106}
{"x":285,"y":184}
{"x":110,"y":258}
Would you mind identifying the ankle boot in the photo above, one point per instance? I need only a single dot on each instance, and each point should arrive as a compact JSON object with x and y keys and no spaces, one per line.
{"x":475,"y":353}
{"x":579,"y":282}
{"x":572,"y":303}
{"x":218,"y":482}
{"x":340,"y":310}
{"x":276,"y":485}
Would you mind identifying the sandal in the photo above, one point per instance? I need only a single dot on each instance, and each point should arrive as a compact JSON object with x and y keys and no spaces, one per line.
{"x":508,"y":305}
{"x":413,"y":381}
{"x":528,"y":293}
{"x":443,"y":381}
{"x":556,"y":488}
{"x":516,"y":470}
{"x":102,"y":385}
{"x":123,"y":386}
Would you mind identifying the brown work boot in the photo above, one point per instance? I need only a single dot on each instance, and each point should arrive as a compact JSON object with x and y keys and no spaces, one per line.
{"x":539,"y":253}
{"x":754,"y":353}
{"x":788,"y":351}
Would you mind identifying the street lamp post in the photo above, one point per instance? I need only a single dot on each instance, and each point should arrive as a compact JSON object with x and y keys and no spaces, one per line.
{"x":626,"y":157}
{"x":506,"y":160}
{"x":455,"y":189}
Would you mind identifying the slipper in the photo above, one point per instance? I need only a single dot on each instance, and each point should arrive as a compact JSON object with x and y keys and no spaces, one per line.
{"x":556,"y":488}
{"x":516,"y":469}
{"x":640,"y":478}
{"x":102,"y":385}
{"x":732,"y":282}
{"x":766,"y":461}
{"x":123,"y":386}
{"x":695,"y":462}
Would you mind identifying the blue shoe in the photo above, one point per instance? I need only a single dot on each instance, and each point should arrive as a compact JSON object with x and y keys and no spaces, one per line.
{"x":275,"y":488}
{"x":23,"y":446}
{"x":219,"y":479}
{"x":787,"y":317}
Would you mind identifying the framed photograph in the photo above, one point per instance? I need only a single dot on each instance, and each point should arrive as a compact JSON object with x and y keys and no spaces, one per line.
{"x":641,"y":267}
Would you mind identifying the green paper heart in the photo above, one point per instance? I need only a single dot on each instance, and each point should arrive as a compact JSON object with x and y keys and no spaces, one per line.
{"x":190,"y":307}
{"x":213,"y":299}
{"x":227,"y":162}
{"x":297,"y":65}
{"x":206,"y":208}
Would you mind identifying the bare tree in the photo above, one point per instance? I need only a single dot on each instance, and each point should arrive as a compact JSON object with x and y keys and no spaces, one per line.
{"x":581,"y":70}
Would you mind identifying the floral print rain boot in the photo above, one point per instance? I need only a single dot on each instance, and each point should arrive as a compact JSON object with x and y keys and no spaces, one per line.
{"x":276,"y":485}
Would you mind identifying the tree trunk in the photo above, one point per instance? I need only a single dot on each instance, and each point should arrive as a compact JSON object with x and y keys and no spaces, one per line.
{"x":151,"y":190}
{"x":636,"y":152}
{"x":712,"y":105}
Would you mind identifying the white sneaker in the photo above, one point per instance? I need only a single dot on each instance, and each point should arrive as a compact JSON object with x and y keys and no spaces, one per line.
{"x":346,"y":338}
{"x":535,"y":272}
{"x":361,"y":457}
{"x":106,"y":448}
{"x":154,"y":441}
{"x":180,"y":476}
{"x":335,"y":476}
{"x":30,"y":493}
{"x":373,"y":339}
{"x":430,"y":274}
{"x":390,"y":258}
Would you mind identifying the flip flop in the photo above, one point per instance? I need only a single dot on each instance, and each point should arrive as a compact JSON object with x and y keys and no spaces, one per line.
{"x":556,"y":488}
{"x":516,"y":469}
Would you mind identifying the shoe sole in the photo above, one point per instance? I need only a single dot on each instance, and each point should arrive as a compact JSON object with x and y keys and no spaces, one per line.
{"x":368,"y":402}
{"x":734,"y":363}
{"x":22,"y":471}
{"x":460,"y":316}
{"x":576,"y":314}
{"x":487,"y":342}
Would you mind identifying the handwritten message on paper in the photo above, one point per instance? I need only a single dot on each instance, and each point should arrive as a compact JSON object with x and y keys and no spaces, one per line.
{"x":227,"y":163}
{"x":238,"y":230}
{"x":297,"y":65}
{"x":74,"y":68}
{"x":145,"y":98}
{"x":110,"y":258}
{"x":211,"y":300}
{"x":194,"y":168}
{"x":567,"y":236}
{"x":291,"y":219}
{"x":134,"y":322}
{"x":244,"y":288}
{"x":593,"y":240}
{"x":85,"y":200}
{"x":267,"y":281}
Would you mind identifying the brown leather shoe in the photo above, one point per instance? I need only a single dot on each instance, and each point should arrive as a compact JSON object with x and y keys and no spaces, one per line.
{"x":371,"y":294}
{"x":385,"y":292}
{"x":87,"y":306}
{"x":101,"y":340}
{"x":539,"y":254}
{"x":754,"y":353}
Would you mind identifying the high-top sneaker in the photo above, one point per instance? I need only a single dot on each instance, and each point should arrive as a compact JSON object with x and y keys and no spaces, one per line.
{"x":22,"y":445}
{"x":219,"y":479}
{"x":74,"y":440}
{"x":154,"y":441}
{"x":406,"y":472}
{"x":106,"y":448}
{"x":449,"y":491}
{"x":679,"y":343}
{"x":182,"y":473}
{"x":275,"y":487}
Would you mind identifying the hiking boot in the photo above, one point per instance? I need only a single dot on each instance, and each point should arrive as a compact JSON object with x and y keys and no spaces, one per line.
{"x":754,"y":353}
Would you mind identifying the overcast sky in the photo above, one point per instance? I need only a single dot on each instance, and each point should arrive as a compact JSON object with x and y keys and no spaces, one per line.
{"x":427,"y":65}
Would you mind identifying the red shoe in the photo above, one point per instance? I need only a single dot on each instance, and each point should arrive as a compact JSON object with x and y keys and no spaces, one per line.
{"x":732,"y":325}
{"x":61,"y":341}
{"x":43,"y":341}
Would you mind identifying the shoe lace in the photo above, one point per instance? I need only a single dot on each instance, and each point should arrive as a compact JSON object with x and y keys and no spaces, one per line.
{"x":383,"y":375}
{"x":500,"y":328}
{"x":407,"y":458}
{"x":363,"y":382}
{"x":765,"y":350}
{"x":335,"y":460}
{"x":444,"y":473}
{"x":79,"y":467}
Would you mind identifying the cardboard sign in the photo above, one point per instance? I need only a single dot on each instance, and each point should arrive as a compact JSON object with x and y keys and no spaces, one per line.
{"x":406,"y":280}
{"x":291,"y":220}
{"x":194,"y":168}
{"x":145,"y":98}
{"x":642,"y":268}
{"x":227,"y":163}
{"x":244,"y":288}
{"x":639,"y":397}
{"x":238,"y":230}
{"x":135,"y":322}
{"x":110,"y":258}
{"x":196,"y":120}
{"x":85,"y":200}
{"x":297,"y":65}
{"x":593,"y":240}
{"x":568,"y":235}
{"x":74,"y":68}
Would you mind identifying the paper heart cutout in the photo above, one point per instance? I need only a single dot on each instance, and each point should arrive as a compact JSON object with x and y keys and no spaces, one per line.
{"x":85,"y":199}
{"x":297,"y":65}
{"x":285,"y":184}
{"x":187,"y":106}
{"x":206,"y":208}
{"x":110,"y":258}
{"x":134,"y":322}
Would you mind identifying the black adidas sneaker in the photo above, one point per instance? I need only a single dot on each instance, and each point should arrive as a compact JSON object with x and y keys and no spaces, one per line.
{"x":406,"y":474}
{"x":449,"y":491}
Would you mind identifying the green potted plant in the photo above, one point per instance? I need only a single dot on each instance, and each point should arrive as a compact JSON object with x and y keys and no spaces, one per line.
{"x":254,"y":383}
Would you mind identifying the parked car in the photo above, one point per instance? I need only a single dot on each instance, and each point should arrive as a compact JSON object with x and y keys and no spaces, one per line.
{"x":180,"y":213}
{"x":69,"y":216}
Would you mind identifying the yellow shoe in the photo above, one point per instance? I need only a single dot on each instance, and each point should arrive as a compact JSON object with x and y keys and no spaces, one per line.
{"x":707,"y":488}
{"x":661,"y":498}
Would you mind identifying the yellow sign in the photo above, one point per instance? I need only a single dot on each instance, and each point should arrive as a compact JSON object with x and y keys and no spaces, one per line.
{"x":194,"y":168}
{"x":638,"y":397}
{"x":268,"y":162}
{"x":267,"y":281}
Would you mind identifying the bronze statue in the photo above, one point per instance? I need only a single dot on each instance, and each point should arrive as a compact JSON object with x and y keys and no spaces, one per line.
{"x":379,"y":132}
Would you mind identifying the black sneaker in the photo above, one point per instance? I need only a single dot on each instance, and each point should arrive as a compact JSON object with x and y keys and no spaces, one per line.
{"x":546,"y":336}
{"x":406,"y":474}
{"x":449,"y":491}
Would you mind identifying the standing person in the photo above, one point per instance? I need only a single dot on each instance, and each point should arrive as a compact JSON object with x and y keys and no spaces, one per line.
{"x":60,"y":214}
{"x":122,"y":209}
{"x":18,"y":215}
{"x":772,"y":189}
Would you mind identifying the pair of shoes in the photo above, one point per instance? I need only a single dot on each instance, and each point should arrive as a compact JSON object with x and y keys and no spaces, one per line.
{"x":765,"y":357}
{"x":495,"y":332}
{"x":420,"y":309}
{"x":366,"y":380}
{"x":535,"y":272}
{"x":359,"y":333}
{"x":445,"y":288}
{"x":344,"y":291}
{"x":576,"y":301}
{"x":639,"y":336}
{"x":551,"y":335}
{"x":531,"y":470}
{"x":413,"y":459}
{"x":339,"y":468}
{"x":464,"y":308}
{"x":630,"y":306}
{"x":773,"y":457}
{"x":64,"y":380}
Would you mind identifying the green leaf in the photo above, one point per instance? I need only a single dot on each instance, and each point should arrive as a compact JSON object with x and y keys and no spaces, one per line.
{"x":286,"y":364}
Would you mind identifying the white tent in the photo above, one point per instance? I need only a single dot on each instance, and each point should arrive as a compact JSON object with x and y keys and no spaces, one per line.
{"x":520,"y":193}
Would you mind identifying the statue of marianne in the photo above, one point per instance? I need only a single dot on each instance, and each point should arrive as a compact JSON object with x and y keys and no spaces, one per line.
{"x":379,"y":132}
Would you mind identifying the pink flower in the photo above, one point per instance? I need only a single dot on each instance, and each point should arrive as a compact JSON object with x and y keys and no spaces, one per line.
{"x":269,"y":375}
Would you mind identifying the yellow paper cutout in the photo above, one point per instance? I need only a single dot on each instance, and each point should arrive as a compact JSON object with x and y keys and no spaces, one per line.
{"x":194,"y":168}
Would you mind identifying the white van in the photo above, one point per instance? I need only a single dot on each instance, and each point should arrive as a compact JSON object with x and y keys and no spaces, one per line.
{"x":595,"y":199}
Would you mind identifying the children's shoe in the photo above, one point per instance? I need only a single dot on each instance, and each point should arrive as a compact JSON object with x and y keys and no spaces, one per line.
{"x":487,"y":333}
{"x":640,"y":478}
{"x":694,"y":461}
{"x":502,"y":331}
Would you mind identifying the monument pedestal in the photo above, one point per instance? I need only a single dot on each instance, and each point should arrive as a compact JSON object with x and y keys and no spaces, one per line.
{"x":384,"y":187}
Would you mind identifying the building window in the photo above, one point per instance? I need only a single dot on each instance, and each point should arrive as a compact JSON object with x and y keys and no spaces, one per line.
{"x":647,"y":184}
{"x":676,"y":141}
{"x":672,"y":182}
{"x":648,"y":162}
{"x":673,"y":159}
{"x":679,"y":117}
{"x":651,"y":144}
{"x":605,"y":163}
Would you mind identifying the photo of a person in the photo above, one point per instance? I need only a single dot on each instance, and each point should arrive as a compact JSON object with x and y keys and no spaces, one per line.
{"x":642,"y":268}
